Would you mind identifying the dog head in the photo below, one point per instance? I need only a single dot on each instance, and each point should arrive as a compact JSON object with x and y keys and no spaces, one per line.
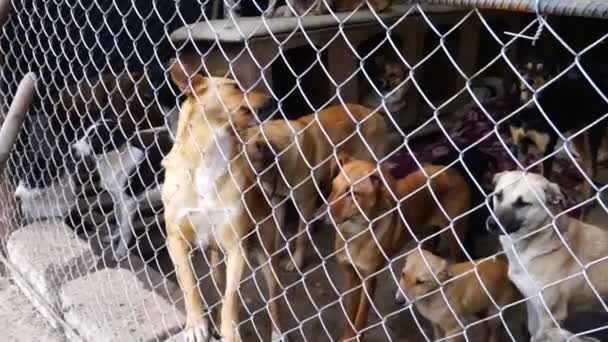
{"x":519,"y":202}
{"x":265,"y":143}
{"x":534,"y":73}
{"x":218,"y":98}
{"x":529,"y":129}
{"x":102,"y":136}
{"x":417,"y":279}
{"x":357,"y":191}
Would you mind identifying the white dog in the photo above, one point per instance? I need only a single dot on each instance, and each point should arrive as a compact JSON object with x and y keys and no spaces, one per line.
{"x":557,"y":262}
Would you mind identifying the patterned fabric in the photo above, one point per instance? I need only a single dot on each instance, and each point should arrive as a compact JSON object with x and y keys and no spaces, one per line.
{"x":473,"y":128}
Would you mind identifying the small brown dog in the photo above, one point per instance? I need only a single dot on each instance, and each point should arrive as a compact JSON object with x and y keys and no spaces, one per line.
{"x":371,"y":228}
{"x":296,"y":157}
{"x":425,"y":273}
{"x":211,"y":199}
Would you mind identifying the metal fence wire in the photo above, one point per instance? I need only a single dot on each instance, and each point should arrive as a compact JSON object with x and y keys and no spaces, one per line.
{"x":309,"y":171}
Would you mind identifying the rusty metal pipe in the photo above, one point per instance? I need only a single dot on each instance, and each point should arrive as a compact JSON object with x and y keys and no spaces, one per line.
{"x":15,"y":117}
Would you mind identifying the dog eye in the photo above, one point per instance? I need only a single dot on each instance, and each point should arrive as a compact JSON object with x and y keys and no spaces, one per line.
{"x":520,"y":203}
{"x":498,"y":196}
{"x":419,"y":281}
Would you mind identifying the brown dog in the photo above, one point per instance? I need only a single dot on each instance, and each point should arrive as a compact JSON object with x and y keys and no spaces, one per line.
{"x":371,"y":228}
{"x":297,"y":156}
{"x":424,"y":273}
{"x":210,"y":198}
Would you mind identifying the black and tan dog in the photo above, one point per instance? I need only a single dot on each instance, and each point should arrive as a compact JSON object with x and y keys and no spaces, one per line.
{"x":571,"y":104}
{"x":211,"y":198}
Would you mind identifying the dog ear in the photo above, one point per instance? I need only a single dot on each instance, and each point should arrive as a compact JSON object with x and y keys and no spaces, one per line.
{"x":497,"y":176}
{"x":554,"y":194}
{"x":259,"y":150}
{"x":443,"y":273}
{"x":187,"y":80}
{"x":337,"y":161}
{"x":385,"y":181}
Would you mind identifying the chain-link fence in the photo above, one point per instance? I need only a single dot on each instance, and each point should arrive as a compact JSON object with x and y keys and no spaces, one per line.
{"x":309,"y":170}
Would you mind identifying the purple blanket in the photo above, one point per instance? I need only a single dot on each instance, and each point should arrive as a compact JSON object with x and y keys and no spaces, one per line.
{"x":474,"y":128}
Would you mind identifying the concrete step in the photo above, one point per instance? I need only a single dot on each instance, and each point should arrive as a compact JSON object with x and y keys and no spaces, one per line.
{"x":71,"y":287}
{"x":19,"y":320}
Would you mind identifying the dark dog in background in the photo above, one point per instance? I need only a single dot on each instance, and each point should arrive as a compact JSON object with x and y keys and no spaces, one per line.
{"x":571,"y":103}
{"x":384,"y":76}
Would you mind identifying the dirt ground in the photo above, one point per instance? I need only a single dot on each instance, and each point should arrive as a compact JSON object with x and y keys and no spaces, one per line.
{"x":312,"y":305}
{"x":311,"y":301}
{"x":312,"y":298}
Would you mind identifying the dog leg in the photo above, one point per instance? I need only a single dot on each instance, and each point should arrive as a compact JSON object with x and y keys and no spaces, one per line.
{"x":352,"y":290}
{"x":219,"y":277}
{"x":533,"y":305}
{"x":493,"y":326}
{"x":235,"y":265}
{"x":437,"y":332}
{"x":274,"y":291}
{"x":456,"y":333}
{"x":197,"y":327}
{"x":120,"y":241}
{"x":307,"y":209}
{"x":269,"y":13}
{"x":369,"y":287}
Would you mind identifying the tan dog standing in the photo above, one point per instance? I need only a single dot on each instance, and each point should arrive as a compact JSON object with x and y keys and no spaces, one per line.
{"x":303,"y":150}
{"x":466,"y":297}
{"x":557,"y":262}
{"x":210,"y":199}
{"x":359,"y":196}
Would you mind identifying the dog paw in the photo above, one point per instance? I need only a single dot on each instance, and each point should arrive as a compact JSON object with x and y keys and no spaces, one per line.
{"x":106,"y":239}
{"x":278,"y":337}
{"x":119,"y":250}
{"x":283,"y":12}
{"x":199,"y":333}
{"x":291,"y":265}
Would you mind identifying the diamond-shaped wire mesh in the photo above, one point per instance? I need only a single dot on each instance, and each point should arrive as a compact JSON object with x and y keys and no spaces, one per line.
{"x":307,"y":171}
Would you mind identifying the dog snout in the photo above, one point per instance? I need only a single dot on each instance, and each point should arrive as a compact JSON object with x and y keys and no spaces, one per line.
{"x":505,"y":222}
{"x":492,"y":226}
{"x":269,"y":107}
{"x":400,"y":298}
{"x":336,"y":211}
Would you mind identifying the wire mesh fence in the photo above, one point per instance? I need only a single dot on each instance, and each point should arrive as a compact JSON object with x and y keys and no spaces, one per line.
{"x":379,"y":170}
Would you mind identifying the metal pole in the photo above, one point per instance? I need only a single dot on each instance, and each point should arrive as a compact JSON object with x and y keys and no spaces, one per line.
{"x":5,"y":9}
{"x":15,"y":116}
